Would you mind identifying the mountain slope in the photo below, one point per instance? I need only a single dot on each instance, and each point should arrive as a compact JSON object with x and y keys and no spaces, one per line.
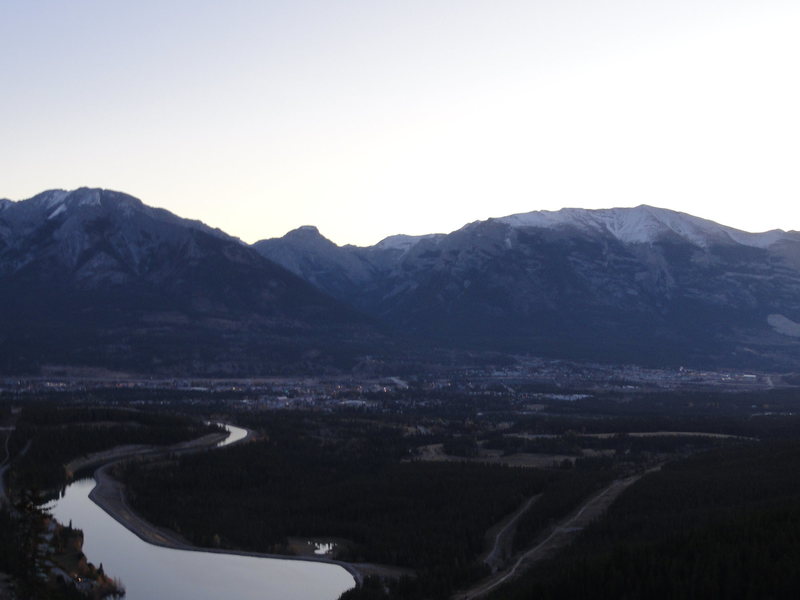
{"x":94,"y":277}
{"x":640,"y":284}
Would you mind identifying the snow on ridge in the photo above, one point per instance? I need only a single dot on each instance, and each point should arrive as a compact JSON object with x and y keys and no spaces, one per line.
{"x":643,"y":225}
{"x":81,"y":197}
{"x":402,"y":242}
{"x":84,"y":197}
{"x":759,"y":240}
{"x":59,"y":209}
{"x":89,"y":198}
{"x":52,"y":198}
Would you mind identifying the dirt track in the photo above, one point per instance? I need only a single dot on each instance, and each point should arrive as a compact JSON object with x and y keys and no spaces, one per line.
{"x":561,"y":535}
{"x":6,"y":431}
{"x":502,"y":536}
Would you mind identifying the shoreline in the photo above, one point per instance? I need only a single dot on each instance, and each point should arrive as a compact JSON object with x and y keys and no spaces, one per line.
{"x":109,"y":495}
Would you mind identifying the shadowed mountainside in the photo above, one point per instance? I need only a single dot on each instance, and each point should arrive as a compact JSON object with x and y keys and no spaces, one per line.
{"x":95,"y":277}
{"x":643,"y":285}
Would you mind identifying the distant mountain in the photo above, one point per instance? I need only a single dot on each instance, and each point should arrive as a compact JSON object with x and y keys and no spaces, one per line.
{"x":95,"y":277}
{"x":338,"y":271}
{"x":643,"y":285}
{"x":353,"y":274}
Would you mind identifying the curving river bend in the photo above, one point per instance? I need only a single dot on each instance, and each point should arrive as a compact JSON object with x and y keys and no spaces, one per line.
{"x":152,"y":572}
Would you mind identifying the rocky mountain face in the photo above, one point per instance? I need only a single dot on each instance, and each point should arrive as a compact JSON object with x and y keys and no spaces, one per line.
{"x":94,"y":277}
{"x":641,"y":285}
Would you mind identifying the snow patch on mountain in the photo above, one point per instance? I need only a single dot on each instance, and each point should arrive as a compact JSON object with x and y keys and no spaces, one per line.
{"x":784,"y":325}
{"x":403,"y":242}
{"x":642,"y":225}
{"x":759,"y":240}
{"x":87,"y":197}
{"x":51,"y":198}
{"x":59,"y":209}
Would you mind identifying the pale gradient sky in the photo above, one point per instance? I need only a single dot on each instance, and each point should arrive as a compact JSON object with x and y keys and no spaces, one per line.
{"x":369,"y":118}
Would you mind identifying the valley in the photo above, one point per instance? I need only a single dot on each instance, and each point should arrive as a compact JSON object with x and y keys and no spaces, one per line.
{"x":431,"y":417}
{"x":520,"y":470}
{"x":313,"y":300}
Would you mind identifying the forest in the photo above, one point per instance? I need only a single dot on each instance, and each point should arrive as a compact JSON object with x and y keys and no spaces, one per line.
{"x":418,"y":479}
{"x":325,"y":476}
{"x":354,"y":478}
{"x":47,"y":436}
{"x":721,"y":524}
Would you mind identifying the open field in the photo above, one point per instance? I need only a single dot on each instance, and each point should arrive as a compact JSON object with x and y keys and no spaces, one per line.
{"x":435,"y":453}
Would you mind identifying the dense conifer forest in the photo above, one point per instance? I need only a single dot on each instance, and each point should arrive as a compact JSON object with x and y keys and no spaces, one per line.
{"x":416,"y":480}
{"x":315,"y":476}
{"x":721,"y":524}
{"x":49,"y":436}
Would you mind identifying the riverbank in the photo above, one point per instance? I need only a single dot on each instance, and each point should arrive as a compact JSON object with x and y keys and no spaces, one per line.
{"x":109,"y":494}
{"x":120,"y":453}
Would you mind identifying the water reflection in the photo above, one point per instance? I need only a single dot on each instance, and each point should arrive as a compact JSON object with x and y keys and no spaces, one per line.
{"x":235,"y":434}
{"x":149,"y":572}
{"x":322,"y":548}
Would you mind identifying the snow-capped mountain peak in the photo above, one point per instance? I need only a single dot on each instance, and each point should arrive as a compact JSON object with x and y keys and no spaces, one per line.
{"x":54,"y":202}
{"x":642,"y":225}
{"x":50,"y":198}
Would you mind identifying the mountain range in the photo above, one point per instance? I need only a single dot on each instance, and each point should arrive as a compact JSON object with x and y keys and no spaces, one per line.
{"x":95,"y":277}
{"x":642,"y":285}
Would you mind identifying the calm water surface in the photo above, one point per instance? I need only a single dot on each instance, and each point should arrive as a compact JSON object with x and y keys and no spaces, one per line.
{"x":149,"y":572}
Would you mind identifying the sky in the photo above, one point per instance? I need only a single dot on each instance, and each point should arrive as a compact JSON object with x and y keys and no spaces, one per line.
{"x":371,"y":118}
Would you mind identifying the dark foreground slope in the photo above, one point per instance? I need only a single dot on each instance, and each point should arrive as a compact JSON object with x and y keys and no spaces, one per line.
{"x":94,"y":277}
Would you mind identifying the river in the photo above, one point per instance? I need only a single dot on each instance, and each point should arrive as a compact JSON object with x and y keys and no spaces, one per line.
{"x":152,"y":572}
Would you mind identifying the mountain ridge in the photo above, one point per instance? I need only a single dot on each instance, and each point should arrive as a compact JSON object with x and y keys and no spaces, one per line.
{"x":625,"y":284}
{"x":643,"y":224}
{"x":96,"y":277}
{"x":573,"y":216}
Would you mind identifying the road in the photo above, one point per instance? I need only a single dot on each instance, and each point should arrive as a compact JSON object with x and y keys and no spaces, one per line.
{"x":4,"y":465}
{"x":7,"y":456}
{"x":3,"y":499}
{"x":501,"y":546}
{"x":560,"y":536}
